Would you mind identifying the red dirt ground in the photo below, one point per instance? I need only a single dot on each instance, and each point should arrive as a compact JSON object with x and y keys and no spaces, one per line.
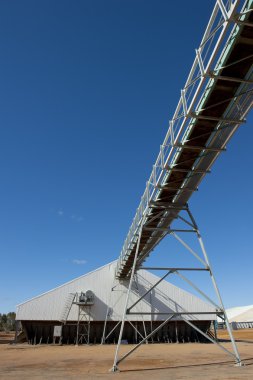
{"x":161,"y":361}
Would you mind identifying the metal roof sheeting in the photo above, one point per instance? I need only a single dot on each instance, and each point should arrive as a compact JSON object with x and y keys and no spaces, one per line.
{"x":240,"y":314}
{"x":164,"y":298}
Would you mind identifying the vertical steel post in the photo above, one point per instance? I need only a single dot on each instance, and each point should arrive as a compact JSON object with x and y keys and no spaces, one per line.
{"x":77,"y":327}
{"x":105,"y":324}
{"x":143,"y":322}
{"x":115,"y":363}
{"x":239,"y":362}
{"x":220,"y":300}
{"x":88,"y":332}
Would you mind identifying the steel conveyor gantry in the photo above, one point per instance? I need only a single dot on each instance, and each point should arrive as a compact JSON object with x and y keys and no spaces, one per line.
{"x":214,"y":102}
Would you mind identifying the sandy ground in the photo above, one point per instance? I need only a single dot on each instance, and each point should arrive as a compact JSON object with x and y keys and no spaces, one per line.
{"x":243,"y":334}
{"x":6,"y":337}
{"x":161,"y":361}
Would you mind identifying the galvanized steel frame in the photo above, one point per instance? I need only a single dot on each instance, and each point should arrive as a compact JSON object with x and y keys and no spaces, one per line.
{"x":205,"y":70}
{"x":83,"y":321}
{"x":106,"y":334}
{"x":222,"y":29}
{"x":218,"y":305}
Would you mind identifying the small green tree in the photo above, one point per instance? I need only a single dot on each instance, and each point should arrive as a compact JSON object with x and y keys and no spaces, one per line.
{"x":7,"y":321}
{"x":10,"y":324}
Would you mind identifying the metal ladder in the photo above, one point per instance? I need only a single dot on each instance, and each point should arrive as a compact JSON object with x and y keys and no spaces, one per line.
{"x":67,"y":307}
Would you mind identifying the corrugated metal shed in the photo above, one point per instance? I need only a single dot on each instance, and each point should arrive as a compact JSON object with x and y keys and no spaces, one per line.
{"x":240,"y":314}
{"x":166,"y":297}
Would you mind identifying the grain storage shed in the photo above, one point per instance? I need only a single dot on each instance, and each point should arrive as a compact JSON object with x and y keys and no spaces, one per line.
{"x":100,"y":318}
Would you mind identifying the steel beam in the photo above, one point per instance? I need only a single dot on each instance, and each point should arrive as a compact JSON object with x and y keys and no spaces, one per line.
{"x":148,"y":291}
{"x":174,"y":269}
{"x":230,"y":79}
{"x":166,"y":205}
{"x":194,"y":147}
{"x":219,"y":119}
{"x":165,"y":187}
{"x":115,"y":366}
{"x":238,"y":361}
{"x":244,"y":23}
{"x":127,"y":300}
{"x":218,"y":307}
{"x":236,"y":105}
{"x":176,"y":313}
{"x":181,"y":170}
{"x":182,"y":230}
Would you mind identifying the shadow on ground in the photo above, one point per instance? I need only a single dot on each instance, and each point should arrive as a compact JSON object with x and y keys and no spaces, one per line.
{"x":246,"y":362}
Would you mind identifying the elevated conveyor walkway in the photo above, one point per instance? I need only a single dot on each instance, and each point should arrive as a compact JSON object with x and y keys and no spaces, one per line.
{"x":214,"y":102}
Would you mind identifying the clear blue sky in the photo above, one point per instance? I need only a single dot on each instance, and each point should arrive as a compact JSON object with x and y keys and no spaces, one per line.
{"x":87,"y":88}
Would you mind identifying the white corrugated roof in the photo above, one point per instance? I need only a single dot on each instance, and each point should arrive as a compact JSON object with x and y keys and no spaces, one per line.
{"x":67,"y":283}
{"x":240,"y":314}
{"x":165,"y":297}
